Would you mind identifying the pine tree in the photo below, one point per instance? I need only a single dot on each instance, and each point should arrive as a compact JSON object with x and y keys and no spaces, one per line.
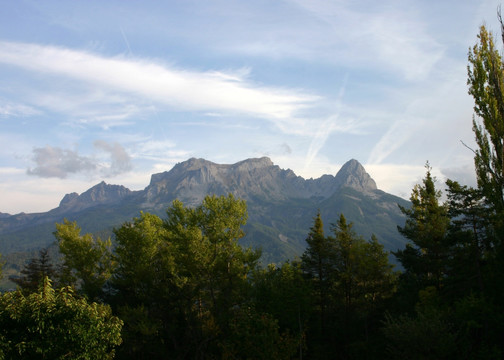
{"x":426,"y":226}
{"x":35,"y":271}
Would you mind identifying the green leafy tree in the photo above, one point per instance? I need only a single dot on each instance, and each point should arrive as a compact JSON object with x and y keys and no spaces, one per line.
{"x":143,"y":284}
{"x":178,"y":280}
{"x":143,"y":258}
{"x":86,"y":260}
{"x":56,"y":324}
{"x":212,"y":266}
{"x":486,"y":85}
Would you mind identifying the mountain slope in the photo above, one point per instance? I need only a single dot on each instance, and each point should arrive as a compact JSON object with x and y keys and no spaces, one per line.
{"x":281,"y":205}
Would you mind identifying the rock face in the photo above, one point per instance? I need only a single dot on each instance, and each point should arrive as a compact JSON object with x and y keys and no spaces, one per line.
{"x":195,"y":178}
{"x":353,"y":175}
{"x":101,"y":194}
{"x":281,"y":205}
{"x":191,"y":180}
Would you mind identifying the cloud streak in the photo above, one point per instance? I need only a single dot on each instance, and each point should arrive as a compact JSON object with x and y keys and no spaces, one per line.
{"x":388,"y":36}
{"x":176,"y":88}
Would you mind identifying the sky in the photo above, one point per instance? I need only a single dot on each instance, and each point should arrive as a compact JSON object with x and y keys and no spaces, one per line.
{"x":116,"y":91}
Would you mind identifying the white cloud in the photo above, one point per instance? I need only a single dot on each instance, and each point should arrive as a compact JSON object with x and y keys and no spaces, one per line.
{"x":120,"y":161}
{"x":180,"y":89}
{"x":56,"y":162}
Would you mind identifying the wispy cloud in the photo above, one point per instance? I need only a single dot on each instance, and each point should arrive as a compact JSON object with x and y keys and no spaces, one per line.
{"x":384,"y":36}
{"x":8,"y":109}
{"x":163,"y":84}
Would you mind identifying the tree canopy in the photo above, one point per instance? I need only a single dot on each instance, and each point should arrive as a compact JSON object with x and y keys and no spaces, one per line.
{"x":56,"y":324}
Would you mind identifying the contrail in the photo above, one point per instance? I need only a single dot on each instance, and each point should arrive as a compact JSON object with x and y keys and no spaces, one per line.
{"x":126,"y":40}
{"x":156,"y":114}
{"x":325,"y":129}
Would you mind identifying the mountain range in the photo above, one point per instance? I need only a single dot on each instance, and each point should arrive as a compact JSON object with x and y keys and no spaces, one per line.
{"x":281,"y":205}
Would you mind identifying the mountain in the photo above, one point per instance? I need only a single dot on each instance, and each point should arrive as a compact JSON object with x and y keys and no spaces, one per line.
{"x":281,"y":205}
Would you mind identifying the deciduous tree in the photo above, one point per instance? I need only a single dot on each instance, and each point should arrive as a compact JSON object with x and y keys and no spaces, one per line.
{"x":56,"y":324}
{"x":87,"y":259}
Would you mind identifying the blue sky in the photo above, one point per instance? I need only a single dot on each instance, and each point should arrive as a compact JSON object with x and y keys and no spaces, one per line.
{"x":119,"y":90}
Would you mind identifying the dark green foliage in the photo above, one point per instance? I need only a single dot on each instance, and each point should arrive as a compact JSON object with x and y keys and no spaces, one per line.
{"x":486,"y":84}
{"x":351,"y":278}
{"x":255,"y":335}
{"x":284,"y":293}
{"x":427,"y":256}
{"x":427,"y":335}
{"x":35,"y":271}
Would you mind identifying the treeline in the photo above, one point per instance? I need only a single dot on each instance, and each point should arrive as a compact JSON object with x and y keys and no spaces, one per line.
{"x":182,"y":288}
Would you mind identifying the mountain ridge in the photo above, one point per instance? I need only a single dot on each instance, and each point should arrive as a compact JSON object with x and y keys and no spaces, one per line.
{"x":281,"y":204}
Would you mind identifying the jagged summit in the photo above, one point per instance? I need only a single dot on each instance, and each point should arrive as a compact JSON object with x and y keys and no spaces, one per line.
{"x":353,"y":174}
{"x":194,"y":178}
{"x":280,"y":204}
{"x":248,"y":164}
{"x":101,"y":193}
{"x":191,"y":180}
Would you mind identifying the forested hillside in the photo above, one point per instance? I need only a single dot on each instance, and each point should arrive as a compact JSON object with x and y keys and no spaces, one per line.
{"x":280,"y":206}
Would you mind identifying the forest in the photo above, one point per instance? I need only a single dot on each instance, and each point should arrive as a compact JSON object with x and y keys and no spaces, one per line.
{"x":180,"y":287}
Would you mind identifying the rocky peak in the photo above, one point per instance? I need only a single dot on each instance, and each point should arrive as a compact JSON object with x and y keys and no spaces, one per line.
{"x":68,"y":198}
{"x":353,"y":174}
{"x":101,"y":193}
{"x":253,"y":164}
{"x":104,"y":192}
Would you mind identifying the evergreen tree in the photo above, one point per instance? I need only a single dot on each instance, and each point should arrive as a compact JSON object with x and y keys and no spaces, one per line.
{"x":318,"y":263}
{"x":34,"y":272}
{"x":354,"y":277}
{"x":471,"y":232}
{"x":425,"y":259}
